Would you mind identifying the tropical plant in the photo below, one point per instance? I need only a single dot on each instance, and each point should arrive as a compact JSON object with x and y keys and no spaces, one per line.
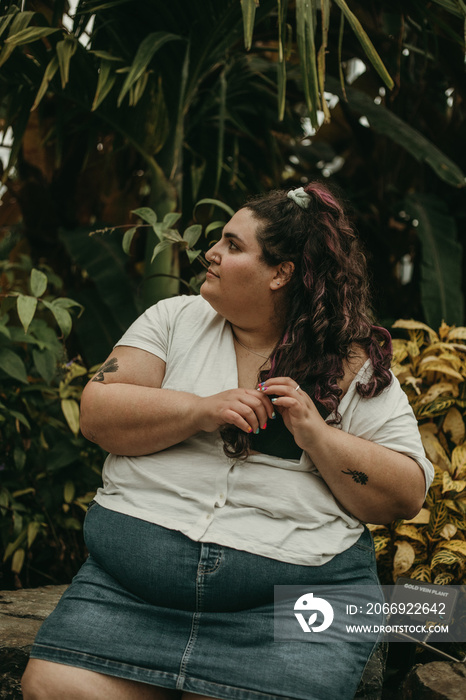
{"x":432,"y":546}
{"x":48,"y":472}
{"x":180,"y":111}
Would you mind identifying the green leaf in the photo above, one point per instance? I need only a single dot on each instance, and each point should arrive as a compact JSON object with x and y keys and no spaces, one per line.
{"x":146,"y":214}
{"x":104,"y":84}
{"x":70,"y":410}
{"x":19,"y":456}
{"x":146,"y":51}
{"x":38,"y":282}
{"x":192,"y":234}
{"x":106,"y":56}
{"x":170,"y":219}
{"x":282,"y":6}
{"x":216,"y":203}
{"x":13,"y":546}
{"x":45,"y":364}
{"x":249,"y":12}
{"x":48,"y":75}
{"x":26,"y":309}
{"x":305,"y":31}
{"x":65,"y":51}
{"x":128,"y":239}
{"x":441,"y":268}
{"x":13,"y":365}
{"x":366,"y":44}
{"x":21,"y":418}
{"x":193,"y":254}
{"x":19,"y":23}
{"x":62,"y":317}
{"x":27,"y":36}
{"x":163,"y":245}
{"x":214,"y":226}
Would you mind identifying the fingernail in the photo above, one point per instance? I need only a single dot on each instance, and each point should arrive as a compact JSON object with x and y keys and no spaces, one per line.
{"x":273,"y":400}
{"x":274,"y":415}
{"x":249,"y":430}
{"x":264,"y":426}
{"x":256,"y":432}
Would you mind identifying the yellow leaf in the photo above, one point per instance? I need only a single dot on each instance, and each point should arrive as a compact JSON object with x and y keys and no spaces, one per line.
{"x":381,"y":542}
{"x":443,"y":579}
{"x":458,"y":461}
{"x":413,"y":348}
{"x":444,"y":330}
{"x":70,"y":410}
{"x":450,"y":484}
{"x":422,"y":518}
{"x":438,"y":518}
{"x":431,"y":363}
{"x":443,"y":556}
{"x":68,"y":492}
{"x":448,"y":531}
{"x":457,"y":334}
{"x":33,"y":529}
{"x":17,"y":561}
{"x":439,"y":389}
{"x":400,"y":350}
{"x":404,"y":558}
{"x":422,"y":573}
{"x":410,"y":531}
{"x":434,"y":449}
{"x":411,"y":324}
{"x":435,"y":408}
{"x":455,"y":546}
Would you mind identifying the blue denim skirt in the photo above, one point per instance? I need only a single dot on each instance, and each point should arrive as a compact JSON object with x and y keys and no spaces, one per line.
{"x":151,"y":605}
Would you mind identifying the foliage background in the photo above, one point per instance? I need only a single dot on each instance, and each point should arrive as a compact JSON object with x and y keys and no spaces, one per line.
{"x":108,"y":109}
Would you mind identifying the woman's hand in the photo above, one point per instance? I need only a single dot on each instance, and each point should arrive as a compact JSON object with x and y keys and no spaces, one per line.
{"x":244,"y":408}
{"x":297,"y":409}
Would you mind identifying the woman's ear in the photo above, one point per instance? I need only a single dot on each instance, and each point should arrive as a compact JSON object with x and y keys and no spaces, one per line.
{"x":283,"y":275}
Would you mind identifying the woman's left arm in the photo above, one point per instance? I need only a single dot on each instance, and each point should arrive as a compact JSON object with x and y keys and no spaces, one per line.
{"x":372,"y":482}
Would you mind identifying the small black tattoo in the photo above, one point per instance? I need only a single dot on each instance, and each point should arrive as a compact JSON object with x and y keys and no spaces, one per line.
{"x":109,"y":366}
{"x":358,"y":477}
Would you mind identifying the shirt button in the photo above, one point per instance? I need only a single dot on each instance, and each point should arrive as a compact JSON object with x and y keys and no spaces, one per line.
{"x":221,"y":495}
{"x":208,"y":516}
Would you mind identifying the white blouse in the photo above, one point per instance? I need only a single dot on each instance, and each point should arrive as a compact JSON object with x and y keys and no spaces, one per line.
{"x":274,"y":507}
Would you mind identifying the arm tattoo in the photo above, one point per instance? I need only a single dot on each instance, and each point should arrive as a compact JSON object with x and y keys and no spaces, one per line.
{"x":358,"y":477}
{"x":109,"y":366}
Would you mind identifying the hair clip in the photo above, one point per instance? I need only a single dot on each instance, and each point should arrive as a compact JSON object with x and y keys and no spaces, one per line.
{"x":300,"y":197}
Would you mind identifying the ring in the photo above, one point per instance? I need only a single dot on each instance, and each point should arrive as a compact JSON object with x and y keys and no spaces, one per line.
{"x":296,"y":388}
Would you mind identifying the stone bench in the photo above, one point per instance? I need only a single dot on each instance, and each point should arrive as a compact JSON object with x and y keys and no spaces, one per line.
{"x":22,"y":612}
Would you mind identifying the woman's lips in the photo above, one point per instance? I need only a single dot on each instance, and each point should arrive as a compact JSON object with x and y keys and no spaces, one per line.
{"x":209,"y":273}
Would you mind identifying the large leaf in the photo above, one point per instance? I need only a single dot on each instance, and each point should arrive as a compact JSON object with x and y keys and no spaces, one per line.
{"x":441,"y":260}
{"x":146,"y":51}
{"x":13,"y":365}
{"x":385,"y":122}
{"x":65,"y":51}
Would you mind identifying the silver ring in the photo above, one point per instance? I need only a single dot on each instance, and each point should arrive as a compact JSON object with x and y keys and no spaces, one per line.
{"x":296,"y":388}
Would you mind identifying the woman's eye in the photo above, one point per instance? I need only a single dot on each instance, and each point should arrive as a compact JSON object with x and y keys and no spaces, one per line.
{"x":232,"y":246}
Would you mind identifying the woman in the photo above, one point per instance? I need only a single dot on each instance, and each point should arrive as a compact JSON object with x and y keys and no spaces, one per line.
{"x":251,"y":431}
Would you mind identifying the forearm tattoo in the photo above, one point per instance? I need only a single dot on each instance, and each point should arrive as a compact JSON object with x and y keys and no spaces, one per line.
{"x":358,"y":477}
{"x":109,"y":366}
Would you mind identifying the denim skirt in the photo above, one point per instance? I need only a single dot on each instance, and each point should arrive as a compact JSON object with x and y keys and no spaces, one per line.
{"x":151,"y":605}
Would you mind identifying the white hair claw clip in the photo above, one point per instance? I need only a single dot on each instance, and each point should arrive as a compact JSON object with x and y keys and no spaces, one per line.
{"x":299,"y":196}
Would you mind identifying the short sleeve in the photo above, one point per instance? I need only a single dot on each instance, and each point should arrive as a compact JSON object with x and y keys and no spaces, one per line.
{"x":151,"y":331}
{"x":388,"y":420}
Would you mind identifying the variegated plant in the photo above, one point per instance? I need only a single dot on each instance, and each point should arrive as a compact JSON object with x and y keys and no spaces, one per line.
{"x":432,"y":546}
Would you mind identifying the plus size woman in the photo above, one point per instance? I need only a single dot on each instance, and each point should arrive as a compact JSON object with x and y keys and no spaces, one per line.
{"x":251,"y":431}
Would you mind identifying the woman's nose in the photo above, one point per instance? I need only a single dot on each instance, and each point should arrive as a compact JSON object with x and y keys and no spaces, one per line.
{"x":212,"y":255}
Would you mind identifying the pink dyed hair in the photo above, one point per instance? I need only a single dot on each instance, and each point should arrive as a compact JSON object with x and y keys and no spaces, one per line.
{"x":328,"y":312}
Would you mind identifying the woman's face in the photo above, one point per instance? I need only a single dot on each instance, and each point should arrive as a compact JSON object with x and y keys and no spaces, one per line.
{"x":238,"y":281}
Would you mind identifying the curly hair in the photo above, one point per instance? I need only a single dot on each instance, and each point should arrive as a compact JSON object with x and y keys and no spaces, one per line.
{"x":328,"y":309}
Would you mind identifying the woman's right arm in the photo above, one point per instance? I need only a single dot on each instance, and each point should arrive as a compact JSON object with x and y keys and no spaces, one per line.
{"x":126,"y":412}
